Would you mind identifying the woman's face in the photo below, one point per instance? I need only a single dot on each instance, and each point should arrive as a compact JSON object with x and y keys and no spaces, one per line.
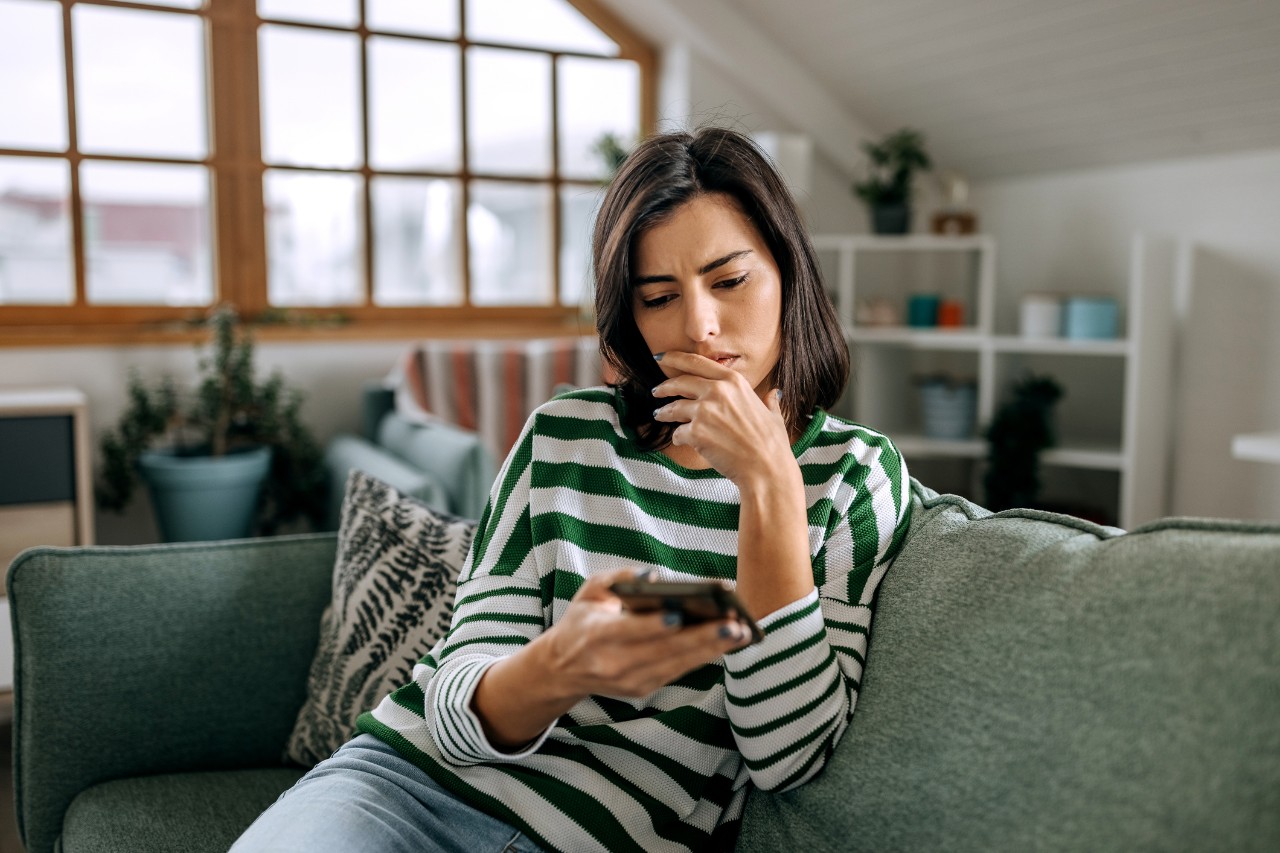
{"x":705,"y":282}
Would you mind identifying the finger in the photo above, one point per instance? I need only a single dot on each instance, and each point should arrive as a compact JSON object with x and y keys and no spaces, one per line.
{"x":686,"y":385}
{"x":679,"y":411}
{"x":675,"y":363}
{"x":685,"y":650}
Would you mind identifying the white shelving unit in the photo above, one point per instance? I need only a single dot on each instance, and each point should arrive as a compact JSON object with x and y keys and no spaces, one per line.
{"x":1112,"y":422}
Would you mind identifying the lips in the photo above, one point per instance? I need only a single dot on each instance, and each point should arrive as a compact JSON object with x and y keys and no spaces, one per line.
{"x":720,"y":357}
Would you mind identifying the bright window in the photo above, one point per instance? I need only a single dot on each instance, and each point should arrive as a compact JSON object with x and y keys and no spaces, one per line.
{"x":387,"y":160}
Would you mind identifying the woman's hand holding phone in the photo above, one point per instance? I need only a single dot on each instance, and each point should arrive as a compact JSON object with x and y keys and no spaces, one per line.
{"x":601,"y":647}
{"x":597,"y":647}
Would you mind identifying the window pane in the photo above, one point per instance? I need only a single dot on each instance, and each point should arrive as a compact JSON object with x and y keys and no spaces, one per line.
{"x":414,"y":120}
{"x":315,"y":241}
{"x":310,"y":97}
{"x":420,"y":17}
{"x":140,"y":85}
{"x":578,"y":207}
{"x":342,"y":13}
{"x":509,"y":111}
{"x":146,"y":234}
{"x":177,"y":4}
{"x":33,"y":115}
{"x":417,"y":241}
{"x":552,"y":24}
{"x":597,"y":96}
{"x":510,"y":231}
{"x":35,"y":232}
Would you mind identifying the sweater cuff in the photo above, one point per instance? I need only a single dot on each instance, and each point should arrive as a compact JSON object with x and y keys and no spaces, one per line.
{"x":784,"y":628}
{"x":456,"y":727}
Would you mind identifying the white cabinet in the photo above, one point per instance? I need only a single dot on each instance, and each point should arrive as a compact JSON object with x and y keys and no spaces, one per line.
{"x":46,"y":489}
{"x":1113,"y":419}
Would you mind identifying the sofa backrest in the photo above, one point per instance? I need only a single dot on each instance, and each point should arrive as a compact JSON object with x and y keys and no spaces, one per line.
{"x":1036,"y":682}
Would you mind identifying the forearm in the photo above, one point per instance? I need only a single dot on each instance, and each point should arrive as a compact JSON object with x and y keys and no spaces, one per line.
{"x":519,"y":696}
{"x":774,"y":566}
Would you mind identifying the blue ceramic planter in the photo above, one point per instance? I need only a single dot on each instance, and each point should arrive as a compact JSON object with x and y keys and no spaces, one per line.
{"x":203,"y":498}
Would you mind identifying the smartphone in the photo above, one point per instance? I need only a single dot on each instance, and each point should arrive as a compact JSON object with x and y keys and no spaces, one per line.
{"x":696,"y":601}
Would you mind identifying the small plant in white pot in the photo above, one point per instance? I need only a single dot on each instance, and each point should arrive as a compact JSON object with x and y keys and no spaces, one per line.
{"x":231,"y":459}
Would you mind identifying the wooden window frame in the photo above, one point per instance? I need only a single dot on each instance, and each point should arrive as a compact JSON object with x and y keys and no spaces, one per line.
{"x":237,"y":210}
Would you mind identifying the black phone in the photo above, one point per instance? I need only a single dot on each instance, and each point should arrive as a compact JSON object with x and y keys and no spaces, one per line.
{"x":696,"y":601}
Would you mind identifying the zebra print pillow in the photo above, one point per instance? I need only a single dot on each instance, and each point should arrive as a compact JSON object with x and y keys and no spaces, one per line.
{"x":393,"y":586}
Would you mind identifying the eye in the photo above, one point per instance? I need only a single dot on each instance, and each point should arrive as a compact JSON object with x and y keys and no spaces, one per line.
{"x":733,"y":282}
{"x":657,"y":301}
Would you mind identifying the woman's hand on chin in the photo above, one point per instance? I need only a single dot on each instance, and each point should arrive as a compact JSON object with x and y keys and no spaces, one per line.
{"x":723,"y":418}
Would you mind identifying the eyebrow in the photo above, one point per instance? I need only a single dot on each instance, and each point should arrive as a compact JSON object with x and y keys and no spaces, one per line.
{"x":706,"y":268}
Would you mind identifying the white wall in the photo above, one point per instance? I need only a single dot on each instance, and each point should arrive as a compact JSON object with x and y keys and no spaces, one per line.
{"x":1071,"y":231}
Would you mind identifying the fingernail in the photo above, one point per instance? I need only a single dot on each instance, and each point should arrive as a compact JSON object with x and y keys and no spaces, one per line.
{"x":657,"y":356}
{"x":727,"y":632}
{"x":778,"y":394}
{"x":654,"y":392}
{"x":671,"y":618}
{"x":646,"y":575}
{"x":655,"y":413}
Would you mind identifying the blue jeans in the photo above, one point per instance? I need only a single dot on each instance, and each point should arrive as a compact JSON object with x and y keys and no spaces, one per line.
{"x":366,"y":798}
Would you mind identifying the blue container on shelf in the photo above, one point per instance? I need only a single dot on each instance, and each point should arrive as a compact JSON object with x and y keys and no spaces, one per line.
{"x":1090,"y":318}
{"x":948,"y":409}
{"x":922,"y":310}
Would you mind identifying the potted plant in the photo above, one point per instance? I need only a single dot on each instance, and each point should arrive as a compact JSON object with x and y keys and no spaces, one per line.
{"x":886,"y":188}
{"x":611,"y":150}
{"x":231,"y":459}
{"x":1021,"y":428}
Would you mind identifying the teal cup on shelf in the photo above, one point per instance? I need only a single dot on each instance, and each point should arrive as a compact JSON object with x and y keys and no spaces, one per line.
{"x":922,"y":310}
{"x":1090,"y":318}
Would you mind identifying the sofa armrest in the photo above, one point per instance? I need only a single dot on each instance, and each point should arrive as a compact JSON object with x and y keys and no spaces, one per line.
{"x":157,"y":659}
{"x":347,"y":452}
{"x":454,"y":456}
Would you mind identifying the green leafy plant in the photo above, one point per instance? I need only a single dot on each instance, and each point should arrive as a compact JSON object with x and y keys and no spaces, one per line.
{"x":893,"y":162}
{"x":228,"y":411}
{"x":610,"y":148}
{"x":1020,"y":430}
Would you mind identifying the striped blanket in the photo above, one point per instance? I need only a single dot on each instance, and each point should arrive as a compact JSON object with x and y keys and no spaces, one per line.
{"x":491,"y":386}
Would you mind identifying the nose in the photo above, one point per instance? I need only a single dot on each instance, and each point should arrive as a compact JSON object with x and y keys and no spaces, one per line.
{"x":701,"y":318}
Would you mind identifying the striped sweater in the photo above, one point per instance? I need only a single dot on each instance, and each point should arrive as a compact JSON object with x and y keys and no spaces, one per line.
{"x":669,"y":771}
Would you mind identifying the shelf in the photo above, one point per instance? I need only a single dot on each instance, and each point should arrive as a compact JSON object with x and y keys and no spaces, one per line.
{"x":904,"y":242}
{"x":1060,"y":346}
{"x":1098,"y":457}
{"x":921,"y":446}
{"x":960,"y":337}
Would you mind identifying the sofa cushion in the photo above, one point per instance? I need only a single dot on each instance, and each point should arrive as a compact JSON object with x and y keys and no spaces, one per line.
{"x":1038,"y":682}
{"x":394,"y":580}
{"x":191,"y":812}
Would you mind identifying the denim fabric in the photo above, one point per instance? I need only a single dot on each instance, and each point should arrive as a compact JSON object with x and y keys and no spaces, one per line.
{"x":366,"y":798}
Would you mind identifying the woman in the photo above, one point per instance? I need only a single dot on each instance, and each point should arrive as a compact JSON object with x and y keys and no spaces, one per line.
{"x":550,"y":716}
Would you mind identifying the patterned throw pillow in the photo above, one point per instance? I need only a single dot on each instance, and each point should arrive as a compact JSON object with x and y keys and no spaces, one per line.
{"x":393,"y":587}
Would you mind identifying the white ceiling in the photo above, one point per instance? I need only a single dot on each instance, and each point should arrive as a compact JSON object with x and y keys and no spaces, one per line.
{"x":1009,"y":87}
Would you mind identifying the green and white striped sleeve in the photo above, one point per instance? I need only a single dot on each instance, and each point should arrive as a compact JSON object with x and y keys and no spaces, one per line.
{"x":498,"y":610}
{"x":790,"y":697}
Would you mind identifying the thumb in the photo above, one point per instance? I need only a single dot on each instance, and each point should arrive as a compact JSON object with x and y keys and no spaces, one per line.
{"x":597,"y":585}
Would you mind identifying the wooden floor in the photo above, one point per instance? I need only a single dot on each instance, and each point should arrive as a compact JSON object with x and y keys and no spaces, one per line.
{"x":9,"y":842}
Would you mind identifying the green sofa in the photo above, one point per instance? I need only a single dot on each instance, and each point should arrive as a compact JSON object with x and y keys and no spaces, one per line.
{"x":1035,"y":682}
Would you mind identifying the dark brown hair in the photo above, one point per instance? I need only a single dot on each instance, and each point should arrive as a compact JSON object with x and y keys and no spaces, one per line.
{"x":664,"y":172}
